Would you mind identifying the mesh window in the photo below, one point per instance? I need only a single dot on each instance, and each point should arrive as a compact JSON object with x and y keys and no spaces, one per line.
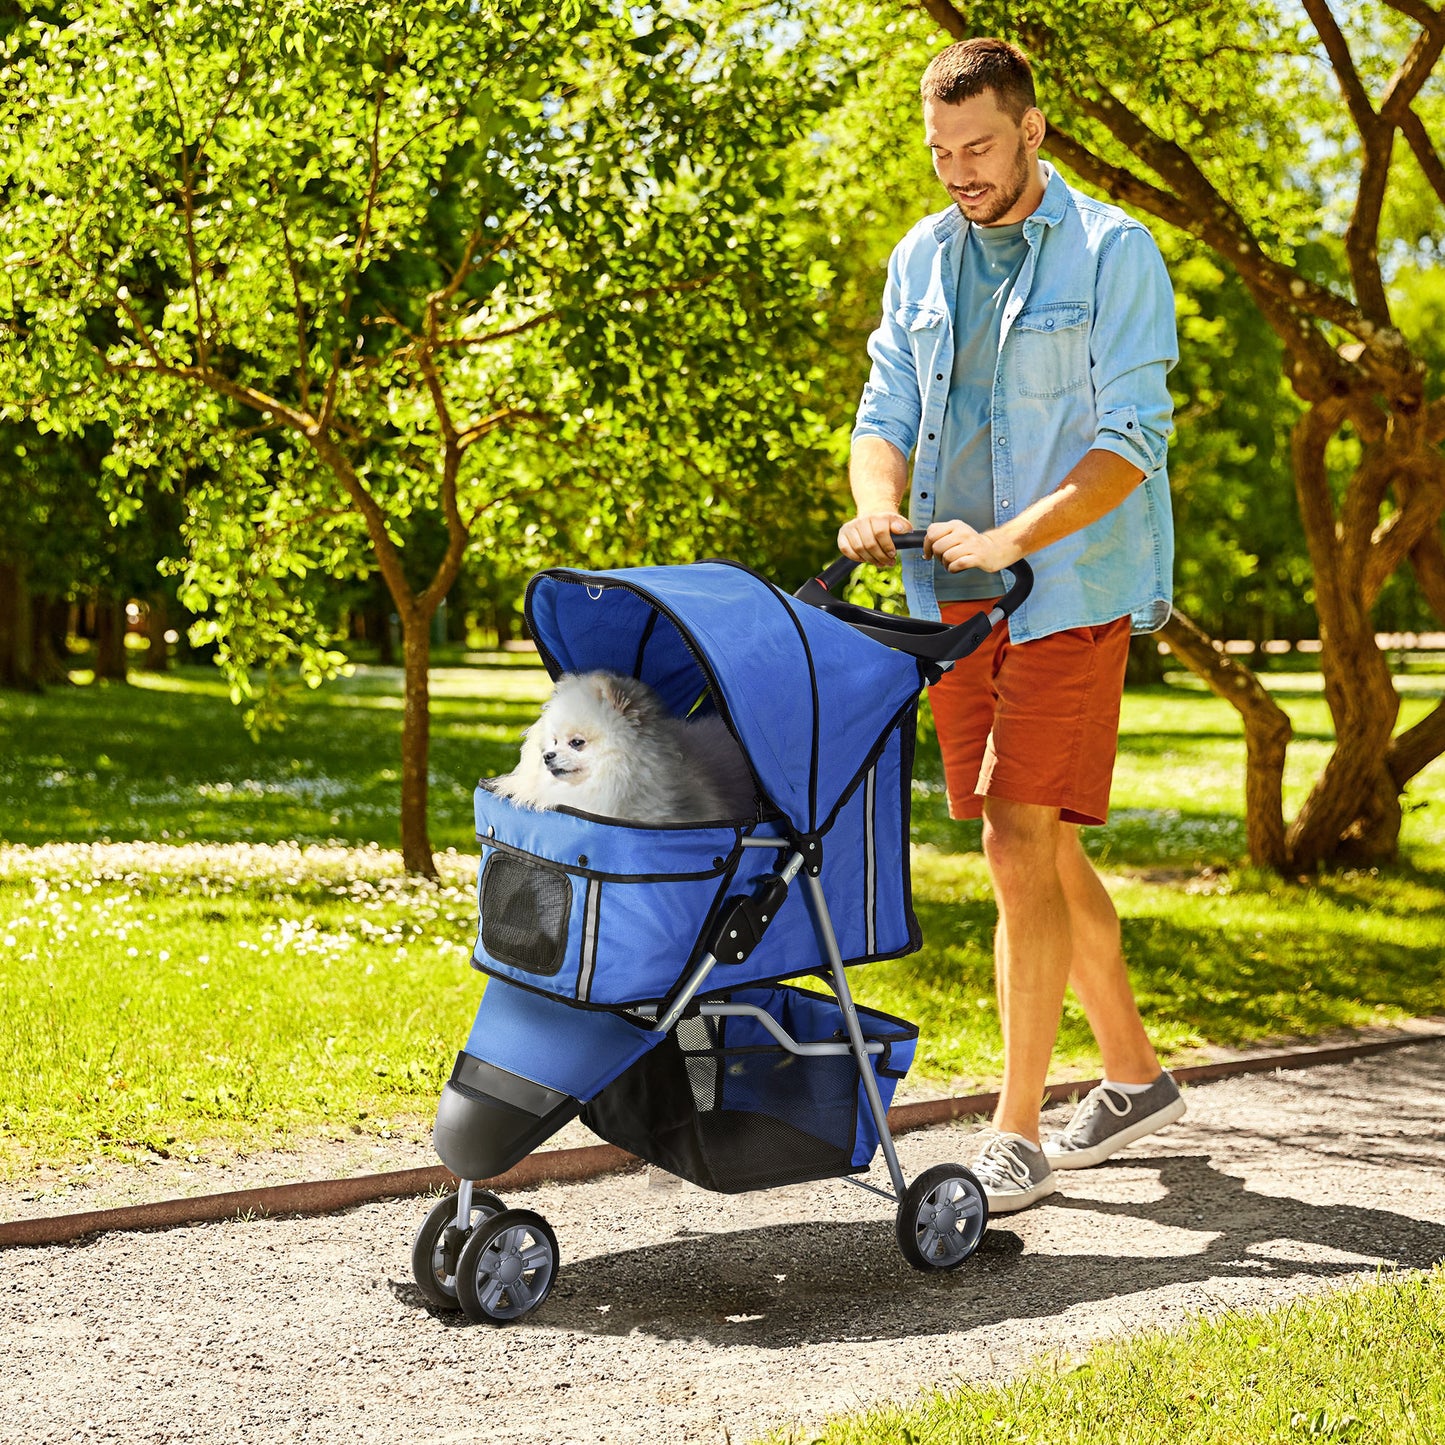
{"x":524,"y":910}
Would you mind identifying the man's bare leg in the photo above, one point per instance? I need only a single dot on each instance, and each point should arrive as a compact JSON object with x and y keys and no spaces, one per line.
{"x":1033,"y":950}
{"x":1097,"y":973}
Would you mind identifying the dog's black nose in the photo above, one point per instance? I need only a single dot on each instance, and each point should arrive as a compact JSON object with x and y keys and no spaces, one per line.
{"x":549,"y":757}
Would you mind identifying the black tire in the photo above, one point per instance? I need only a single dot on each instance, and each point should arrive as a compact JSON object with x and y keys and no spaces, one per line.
{"x":507,"y":1267}
{"x":941,"y":1218}
{"x":434,"y":1256}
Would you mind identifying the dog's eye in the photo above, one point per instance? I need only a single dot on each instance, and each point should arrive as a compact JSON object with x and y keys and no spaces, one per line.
{"x":577,"y":744}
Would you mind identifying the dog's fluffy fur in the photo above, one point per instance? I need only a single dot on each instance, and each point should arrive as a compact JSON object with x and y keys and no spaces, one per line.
{"x":606,"y":744}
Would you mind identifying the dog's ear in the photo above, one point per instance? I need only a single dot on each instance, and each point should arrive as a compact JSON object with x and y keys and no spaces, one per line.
{"x":631,"y":697}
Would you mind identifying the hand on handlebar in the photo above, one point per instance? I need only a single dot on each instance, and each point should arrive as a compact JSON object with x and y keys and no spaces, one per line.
{"x":869,"y":538}
{"x":957,"y":545}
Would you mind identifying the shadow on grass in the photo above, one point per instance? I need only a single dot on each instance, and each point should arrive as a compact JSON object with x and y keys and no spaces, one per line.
{"x":785,"y":1285}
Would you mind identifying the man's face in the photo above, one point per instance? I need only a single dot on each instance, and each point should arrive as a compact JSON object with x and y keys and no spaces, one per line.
{"x":986,"y":160}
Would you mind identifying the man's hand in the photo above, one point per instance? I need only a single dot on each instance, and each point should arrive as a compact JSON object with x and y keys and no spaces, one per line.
{"x":870,"y":538}
{"x":957,"y":546}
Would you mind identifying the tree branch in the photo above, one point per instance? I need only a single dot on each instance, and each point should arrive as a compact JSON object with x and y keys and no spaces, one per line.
{"x":1413,"y":129}
{"x":1427,"y":560}
{"x":1267,"y":733}
{"x":946,"y":17}
{"x":1419,"y":12}
{"x":1420,"y":491}
{"x":1362,"y":235}
{"x":303,"y":371}
{"x":1310,"y":436}
{"x":478,"y":429}
{"x":1416,"y":747}
{"x":363,"y":237}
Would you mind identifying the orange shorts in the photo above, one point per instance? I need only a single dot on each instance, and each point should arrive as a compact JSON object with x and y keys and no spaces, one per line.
{"x":1032,"y":723}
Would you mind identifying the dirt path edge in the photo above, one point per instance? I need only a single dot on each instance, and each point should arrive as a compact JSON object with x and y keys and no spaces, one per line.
{"x":329,"y":1196}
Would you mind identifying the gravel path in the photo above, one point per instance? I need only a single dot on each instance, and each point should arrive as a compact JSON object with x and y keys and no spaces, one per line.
{"x":682,"y":1316}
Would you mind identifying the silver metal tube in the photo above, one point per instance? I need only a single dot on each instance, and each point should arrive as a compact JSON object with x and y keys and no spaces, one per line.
{"x":871,"y":1188}
{"x":807,"y":1051}
{"x":464,"y":1204}
{"x":698,"y":976}
{"x":855,"y":1032}
{"x":695,"y":981}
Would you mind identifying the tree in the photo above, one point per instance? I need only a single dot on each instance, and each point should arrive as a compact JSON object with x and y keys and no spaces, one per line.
{"x":1238,"y":124}
{"x":369,"y":273}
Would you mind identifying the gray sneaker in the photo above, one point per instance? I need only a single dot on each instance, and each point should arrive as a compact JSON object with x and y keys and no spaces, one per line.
{"x":1014,"y":1173}
{"x":1108,"y":1119}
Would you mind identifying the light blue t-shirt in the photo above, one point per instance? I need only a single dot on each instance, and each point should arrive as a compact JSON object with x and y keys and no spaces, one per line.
{"x":992,"y":257}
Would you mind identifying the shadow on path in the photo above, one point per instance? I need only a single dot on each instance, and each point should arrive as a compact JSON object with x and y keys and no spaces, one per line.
{"x":789,"y":1284}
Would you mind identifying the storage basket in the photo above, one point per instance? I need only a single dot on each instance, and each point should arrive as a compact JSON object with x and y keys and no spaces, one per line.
{"x":720,"y":1102}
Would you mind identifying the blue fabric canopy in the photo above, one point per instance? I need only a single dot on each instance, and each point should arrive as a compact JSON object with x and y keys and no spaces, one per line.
{"x":808,"y":698}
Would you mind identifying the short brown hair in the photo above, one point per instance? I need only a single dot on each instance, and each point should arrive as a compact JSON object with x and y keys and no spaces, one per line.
{"x":970,"y":67}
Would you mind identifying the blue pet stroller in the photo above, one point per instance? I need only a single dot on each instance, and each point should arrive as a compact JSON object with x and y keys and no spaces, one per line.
{"x":636,"y":973}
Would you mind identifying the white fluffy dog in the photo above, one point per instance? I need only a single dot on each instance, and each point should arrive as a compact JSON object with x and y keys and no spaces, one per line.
{"x":606,"y":744}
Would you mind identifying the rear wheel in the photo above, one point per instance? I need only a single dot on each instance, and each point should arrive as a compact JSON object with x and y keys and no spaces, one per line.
{"x":438,"y":1246}
{"x":941,"y":1217}
{"x":507,"y":1267}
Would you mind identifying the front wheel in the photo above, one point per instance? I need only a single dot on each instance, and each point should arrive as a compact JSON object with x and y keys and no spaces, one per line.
{"x":941,"y":1217}
{"x":507,"y":1267}
{"x":438,"y":1246}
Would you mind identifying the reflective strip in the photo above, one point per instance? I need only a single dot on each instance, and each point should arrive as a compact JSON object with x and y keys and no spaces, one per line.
{"x":589,"y":938}
{"x":870,"y":860}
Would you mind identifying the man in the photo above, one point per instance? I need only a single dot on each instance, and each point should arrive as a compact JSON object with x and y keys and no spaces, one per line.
{"x":1026,"y":335}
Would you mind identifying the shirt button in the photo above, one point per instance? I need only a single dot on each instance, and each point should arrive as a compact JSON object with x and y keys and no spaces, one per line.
{"x":1049,"y":323}
{"x":1003,"y":441}
{"x":923,"y":496}
{"x":930,"y":436}
{"x":938,"y":376}
{"x":1003,"y":505}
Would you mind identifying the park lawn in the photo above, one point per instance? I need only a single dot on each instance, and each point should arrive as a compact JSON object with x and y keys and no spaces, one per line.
{"x":156,"y":1000}
{"x":216,"y":984}
{"x":1356,"y":1364}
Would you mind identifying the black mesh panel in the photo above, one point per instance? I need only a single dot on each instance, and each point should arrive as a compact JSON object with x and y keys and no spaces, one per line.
{"x":524,"y":910}
{"x":732,"y":1119}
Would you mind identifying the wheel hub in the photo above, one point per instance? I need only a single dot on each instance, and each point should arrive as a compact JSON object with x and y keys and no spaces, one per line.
{"x":945,"y":1216}
{"x":509,"y":1271}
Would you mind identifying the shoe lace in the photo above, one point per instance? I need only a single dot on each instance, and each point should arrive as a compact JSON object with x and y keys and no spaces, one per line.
{"x":999,"y":1166}
{"x":1092,"y":1102}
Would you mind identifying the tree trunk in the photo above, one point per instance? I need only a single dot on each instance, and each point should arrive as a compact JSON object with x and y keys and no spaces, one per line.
{"x":49,"y":618}
{"x":158,"y":621}
{"x":109,"y":639}
{"x":17,"y":649}
{"x":416,"y":850}
{"x":378,"y":630}
{"x":1267,"y":733}
{"x":1353,"y":805}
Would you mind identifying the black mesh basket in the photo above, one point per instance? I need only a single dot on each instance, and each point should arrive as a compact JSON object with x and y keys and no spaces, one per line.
{"x":720,"y":1103}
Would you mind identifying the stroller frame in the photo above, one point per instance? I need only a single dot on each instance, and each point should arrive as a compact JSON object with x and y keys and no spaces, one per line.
{"x":857,"y":1045}
{"x":498,"y":1264}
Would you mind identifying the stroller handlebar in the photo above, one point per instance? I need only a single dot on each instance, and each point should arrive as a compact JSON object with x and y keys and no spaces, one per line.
{"x":934,"y":642}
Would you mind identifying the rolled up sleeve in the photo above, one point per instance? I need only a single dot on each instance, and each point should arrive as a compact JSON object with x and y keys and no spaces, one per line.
{"x":892,"y":404}
{"x":1132,"y":348}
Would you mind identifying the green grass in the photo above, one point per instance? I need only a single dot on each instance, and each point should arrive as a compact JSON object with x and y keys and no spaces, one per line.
{"x":163,"y":995}
{"x":1360,"y":1364}
{"x":167,"y":758}
{"x":156,"y":1000}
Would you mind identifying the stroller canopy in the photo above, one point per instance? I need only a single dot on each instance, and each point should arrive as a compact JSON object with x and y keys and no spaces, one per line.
{"x":809,"y":699}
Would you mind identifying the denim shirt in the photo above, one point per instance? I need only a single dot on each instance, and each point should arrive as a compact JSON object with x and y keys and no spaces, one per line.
{"x":1085,"y":345}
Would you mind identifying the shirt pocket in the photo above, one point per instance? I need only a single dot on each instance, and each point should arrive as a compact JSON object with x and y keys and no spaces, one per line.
{"x":922,"y":324}
{"x":1048,"y":349}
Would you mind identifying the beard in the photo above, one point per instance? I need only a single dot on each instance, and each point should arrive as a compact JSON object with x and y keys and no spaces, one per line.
{"x":999,"y":200}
